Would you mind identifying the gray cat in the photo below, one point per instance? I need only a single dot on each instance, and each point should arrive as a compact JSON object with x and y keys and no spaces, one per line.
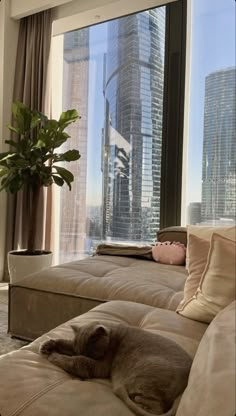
{"x":148,"y":371}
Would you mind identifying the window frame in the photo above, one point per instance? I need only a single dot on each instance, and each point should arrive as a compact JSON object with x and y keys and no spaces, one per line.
{"x":173,"y":114}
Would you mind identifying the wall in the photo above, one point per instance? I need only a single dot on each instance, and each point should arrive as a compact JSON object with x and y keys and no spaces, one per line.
{"x":77,"y":14}
{"x":22,"y":8}
{"x":8,"y":46}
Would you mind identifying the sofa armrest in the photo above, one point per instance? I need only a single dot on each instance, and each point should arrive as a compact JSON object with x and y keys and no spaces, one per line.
{"x":175,"y":233}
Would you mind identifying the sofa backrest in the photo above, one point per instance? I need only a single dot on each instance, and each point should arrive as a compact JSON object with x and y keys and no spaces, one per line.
{"x":175,"y":233}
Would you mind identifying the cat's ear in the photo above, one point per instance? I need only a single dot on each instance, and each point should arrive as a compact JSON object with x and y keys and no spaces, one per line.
{"x":75,"y":328}
{"x":98,"y":341}
{"x":100,"y":331}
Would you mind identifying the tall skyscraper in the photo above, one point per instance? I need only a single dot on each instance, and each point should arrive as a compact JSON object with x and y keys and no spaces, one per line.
{"x":75,"y":95}
{"x":133,"y":91}
{"x":219,"y":147}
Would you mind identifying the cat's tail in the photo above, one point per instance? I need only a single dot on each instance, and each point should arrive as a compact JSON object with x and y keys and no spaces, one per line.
{"x":122,"y":393}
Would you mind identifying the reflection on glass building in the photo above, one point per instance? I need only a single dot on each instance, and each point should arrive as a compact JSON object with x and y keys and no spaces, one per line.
{"x":132,"y":137}
{"x":219,"y":147}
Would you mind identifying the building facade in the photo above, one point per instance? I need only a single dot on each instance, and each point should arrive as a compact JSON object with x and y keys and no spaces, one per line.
{"x":219,"y":147}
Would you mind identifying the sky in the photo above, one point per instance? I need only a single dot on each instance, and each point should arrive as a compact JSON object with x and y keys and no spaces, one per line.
{"x":212,"y":48}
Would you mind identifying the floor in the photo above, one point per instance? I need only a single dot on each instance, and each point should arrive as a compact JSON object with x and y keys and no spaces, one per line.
{"x":7,"y":344}
{"x":3,"y":292}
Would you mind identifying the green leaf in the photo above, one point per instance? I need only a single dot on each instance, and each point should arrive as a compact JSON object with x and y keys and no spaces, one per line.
{"x":21,"y":163}
{"x":15,"y":184}
{"x":23,"y":116}
{"x":35,"y":120}
{"x":68,"y":116}
{"x":51,"y":125}
{"x":68,"y":156}
{"x":65,"y":174}
{"x":12,"y":183}
{"x":7,"y":155}
{"x":24,"y":145}
{"x":42,"y":116}
{"x":58,"y":180}
{"x":59,"y":139}
{"x":11,"y":143}
{"x":40,"y":143}
{"x":3,"y":171}
{"x":15,"y":130}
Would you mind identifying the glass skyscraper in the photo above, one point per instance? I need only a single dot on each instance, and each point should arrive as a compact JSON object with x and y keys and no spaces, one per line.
{"x":132,"y":137}
{"x":219,"y":147}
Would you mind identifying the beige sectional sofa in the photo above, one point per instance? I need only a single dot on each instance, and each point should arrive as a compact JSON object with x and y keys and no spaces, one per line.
{"x":32,"y":386}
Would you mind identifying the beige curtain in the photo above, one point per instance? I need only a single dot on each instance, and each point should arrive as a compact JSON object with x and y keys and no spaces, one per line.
{"x":32,"y":87}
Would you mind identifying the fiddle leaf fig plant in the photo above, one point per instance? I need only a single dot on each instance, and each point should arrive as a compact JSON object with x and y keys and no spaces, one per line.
{"x":35,"y":158}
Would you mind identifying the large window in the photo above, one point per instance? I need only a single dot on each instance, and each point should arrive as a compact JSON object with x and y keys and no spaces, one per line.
{"x":113,"y":73}
{"x":211,"y":137}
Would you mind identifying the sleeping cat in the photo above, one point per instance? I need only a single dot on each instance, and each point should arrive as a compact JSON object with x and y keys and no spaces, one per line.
{"x":148,"y":372}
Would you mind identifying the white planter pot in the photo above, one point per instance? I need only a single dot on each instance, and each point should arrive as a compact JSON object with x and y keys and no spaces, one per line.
{"x":21,"y":265}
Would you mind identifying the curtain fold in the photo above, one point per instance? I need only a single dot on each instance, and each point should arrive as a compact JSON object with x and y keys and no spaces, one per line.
{"x":32,"y":87}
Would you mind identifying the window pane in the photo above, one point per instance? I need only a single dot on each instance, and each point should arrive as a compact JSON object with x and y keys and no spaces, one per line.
{"x":114,"y":74}
{"x":211,"y":175}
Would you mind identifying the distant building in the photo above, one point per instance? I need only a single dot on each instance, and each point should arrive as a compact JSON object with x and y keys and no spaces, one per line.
{"x":219,"y":147}
{"x":194,"y":213}
{"x":133,"y":91}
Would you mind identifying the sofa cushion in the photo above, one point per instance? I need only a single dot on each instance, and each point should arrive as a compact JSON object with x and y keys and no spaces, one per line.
{"x":217,"y":286}
{"x":30,"y":385}
{"x":212,"y":381}
{"x":205,"y":232}
{"x":198,"y":249}
{"x":57,"y":294}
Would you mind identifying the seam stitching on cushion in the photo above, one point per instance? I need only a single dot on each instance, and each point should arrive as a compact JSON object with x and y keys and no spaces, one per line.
{"x":38,"y":395}
{"x":143,"y":319}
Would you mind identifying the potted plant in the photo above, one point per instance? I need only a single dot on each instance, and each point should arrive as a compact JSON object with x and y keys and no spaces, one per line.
{"x":34,"y":161}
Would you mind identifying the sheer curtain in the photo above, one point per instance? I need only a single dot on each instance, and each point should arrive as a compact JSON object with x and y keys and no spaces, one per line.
{"x":32,"y":87}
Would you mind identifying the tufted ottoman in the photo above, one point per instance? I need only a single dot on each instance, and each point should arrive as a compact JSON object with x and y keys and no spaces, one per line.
{"x":44,"y":300}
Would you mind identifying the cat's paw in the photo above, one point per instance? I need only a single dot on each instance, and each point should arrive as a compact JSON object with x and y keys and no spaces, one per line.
{"x":48,"y":347}
{"x":54,"y":358}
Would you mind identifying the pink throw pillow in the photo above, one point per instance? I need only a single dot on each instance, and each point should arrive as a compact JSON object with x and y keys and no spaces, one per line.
{"x":169,"y":253}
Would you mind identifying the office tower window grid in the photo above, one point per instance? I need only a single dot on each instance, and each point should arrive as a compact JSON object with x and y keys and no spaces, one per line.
{"x":219,"y":147}
{"x":133,"y":93}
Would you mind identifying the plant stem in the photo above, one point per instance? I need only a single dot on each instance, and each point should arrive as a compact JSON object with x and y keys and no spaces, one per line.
{"x":33,"y":219}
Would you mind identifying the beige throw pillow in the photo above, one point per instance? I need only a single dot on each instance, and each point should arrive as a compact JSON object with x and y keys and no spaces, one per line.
{"x":205,"y":233}
{"x":217,"y":286}
{"x":198,"y":249}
